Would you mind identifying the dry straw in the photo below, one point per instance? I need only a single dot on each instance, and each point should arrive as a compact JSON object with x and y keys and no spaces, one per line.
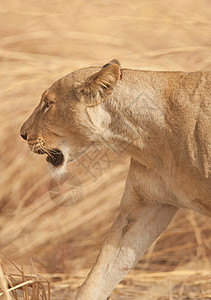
{"x":22,"y":286}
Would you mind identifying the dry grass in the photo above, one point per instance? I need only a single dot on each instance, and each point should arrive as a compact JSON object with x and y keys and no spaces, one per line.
{"x":22,"y":286}
{"x":42,"y":41}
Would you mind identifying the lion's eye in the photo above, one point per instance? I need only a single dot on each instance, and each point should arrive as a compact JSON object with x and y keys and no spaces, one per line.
{"x":46,"y":105}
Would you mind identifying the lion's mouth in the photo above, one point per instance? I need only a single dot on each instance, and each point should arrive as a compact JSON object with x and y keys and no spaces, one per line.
{"x":55,"y":157}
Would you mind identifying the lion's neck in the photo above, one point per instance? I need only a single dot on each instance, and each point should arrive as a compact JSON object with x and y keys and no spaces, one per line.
{"x":137,"y":121}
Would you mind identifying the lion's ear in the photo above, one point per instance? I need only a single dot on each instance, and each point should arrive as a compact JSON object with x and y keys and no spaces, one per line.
{"x":100,"y":84}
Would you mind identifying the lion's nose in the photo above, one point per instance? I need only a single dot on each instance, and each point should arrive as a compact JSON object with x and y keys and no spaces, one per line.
{"x":24,"y":136}
{"x":23,"y":131}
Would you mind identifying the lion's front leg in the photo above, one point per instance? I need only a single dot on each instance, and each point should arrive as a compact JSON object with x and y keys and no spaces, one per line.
{"x":130,"y":236}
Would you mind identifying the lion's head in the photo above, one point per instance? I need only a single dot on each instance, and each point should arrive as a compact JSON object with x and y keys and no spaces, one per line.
{"x":60,"y":126}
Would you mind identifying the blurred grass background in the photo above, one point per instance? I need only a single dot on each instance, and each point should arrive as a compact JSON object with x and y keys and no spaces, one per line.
{"x":41,"y":41}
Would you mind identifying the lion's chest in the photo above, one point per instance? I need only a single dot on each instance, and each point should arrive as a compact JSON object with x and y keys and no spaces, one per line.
{"x":180,"y":190}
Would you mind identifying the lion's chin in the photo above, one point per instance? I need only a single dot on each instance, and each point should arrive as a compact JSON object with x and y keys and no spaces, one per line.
{"x":57,"y":163}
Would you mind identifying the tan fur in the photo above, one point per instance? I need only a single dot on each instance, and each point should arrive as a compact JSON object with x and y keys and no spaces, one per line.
{"x":161,"y":119}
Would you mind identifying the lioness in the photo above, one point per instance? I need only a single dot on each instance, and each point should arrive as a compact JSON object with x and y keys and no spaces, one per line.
{"x":162,"y":120}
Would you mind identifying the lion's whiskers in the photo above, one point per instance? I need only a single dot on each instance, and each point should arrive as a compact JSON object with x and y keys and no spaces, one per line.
{"x":53,"y":151}
{"x":48,"y":151}
{"x":40,"y":145}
